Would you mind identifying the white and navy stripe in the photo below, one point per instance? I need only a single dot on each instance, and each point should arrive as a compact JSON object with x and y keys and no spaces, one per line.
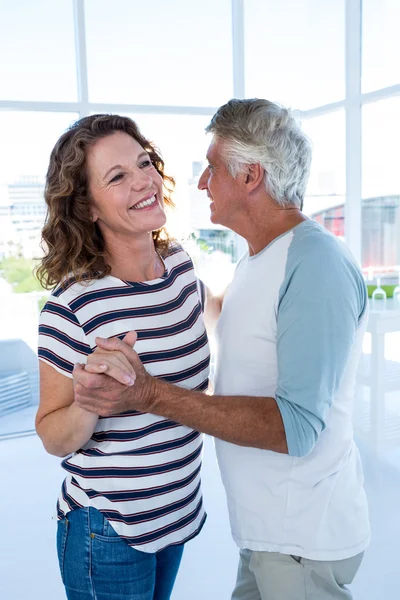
{"x":140,"y":470}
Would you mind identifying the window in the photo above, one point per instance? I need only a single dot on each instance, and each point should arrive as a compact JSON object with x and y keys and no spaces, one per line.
{"x":26,"y":142}
{"x":38,"y":51}
{"x":294,"y":51}
{"x":27,"y":139}
{"x":381,"y":184}
{"x":381,"y":44}
{"x":169,"y":64}
{"x":326,"y":190}
{"x":163,"y":53}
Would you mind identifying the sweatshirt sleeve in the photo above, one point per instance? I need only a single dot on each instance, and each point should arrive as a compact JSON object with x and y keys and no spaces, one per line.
{"x":321,"y":302}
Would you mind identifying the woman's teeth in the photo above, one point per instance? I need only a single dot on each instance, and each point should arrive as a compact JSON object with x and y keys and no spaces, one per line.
{"x":145,"y":202}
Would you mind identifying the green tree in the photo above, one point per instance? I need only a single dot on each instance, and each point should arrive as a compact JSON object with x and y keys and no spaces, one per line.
{"x":19,"y":272}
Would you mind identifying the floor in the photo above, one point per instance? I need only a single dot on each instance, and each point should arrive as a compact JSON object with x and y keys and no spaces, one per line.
{"x":209,"y":565}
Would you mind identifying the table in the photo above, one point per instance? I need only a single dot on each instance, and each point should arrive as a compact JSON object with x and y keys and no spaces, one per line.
{"x":383,"y":318}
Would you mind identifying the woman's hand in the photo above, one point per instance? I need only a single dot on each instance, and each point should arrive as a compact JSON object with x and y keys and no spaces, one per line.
{"x":102,"y":393}
{"x":113,"y":362}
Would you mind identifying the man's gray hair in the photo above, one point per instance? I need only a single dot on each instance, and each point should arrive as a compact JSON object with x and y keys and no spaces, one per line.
{"x":259,"y":131}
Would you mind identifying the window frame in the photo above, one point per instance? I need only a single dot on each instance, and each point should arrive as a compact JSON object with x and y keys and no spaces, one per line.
{"x":352,"y":103}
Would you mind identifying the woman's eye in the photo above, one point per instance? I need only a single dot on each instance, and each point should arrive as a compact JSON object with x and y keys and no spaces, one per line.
{"x":146,"y":163}
{"x":117,"y":177}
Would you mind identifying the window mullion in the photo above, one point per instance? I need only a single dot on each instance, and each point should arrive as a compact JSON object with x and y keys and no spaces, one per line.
{"x":81,"y":57}
{"x":353,"y":209}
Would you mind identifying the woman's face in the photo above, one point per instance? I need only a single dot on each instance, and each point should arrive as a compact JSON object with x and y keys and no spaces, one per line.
{"x":126,"y":190}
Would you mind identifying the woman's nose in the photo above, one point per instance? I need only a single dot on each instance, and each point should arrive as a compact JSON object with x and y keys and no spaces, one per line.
{"x":141,"y":180}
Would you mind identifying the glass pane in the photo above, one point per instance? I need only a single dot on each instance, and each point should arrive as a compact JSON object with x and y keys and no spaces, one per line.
{"x":25,"y":146}
{"x":326,"y":188}
{"x":166,"y":53}
{"x":295,"y":51}
{"x":381,"y":185}
{"x":381,"y":44}
{"x":38,"y":51}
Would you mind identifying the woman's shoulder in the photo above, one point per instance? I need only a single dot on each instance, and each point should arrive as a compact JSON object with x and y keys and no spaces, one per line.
{"x":177,"y":254}
{"x":70,"y":288}
{"x":174,"y":247}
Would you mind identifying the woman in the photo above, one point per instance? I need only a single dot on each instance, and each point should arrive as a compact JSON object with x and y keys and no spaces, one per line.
{"x":131,"y":497}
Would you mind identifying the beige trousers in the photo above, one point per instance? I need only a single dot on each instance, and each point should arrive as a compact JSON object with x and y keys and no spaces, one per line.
{"x":274,"y":576}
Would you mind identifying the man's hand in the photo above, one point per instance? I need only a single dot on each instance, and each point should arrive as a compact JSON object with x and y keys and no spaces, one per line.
{"x":101,"y":393}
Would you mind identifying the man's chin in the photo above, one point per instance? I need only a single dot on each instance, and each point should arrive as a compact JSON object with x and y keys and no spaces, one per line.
{"x":214,"y":218}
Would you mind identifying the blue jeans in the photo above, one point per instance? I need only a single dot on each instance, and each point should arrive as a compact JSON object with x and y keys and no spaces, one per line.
{"x":96,"y":564}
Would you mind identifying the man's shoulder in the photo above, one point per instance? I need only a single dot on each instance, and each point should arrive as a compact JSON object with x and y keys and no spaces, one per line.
{"x":311,"y":244}
{"x":310,"y":235}
{"x":321,"y":265}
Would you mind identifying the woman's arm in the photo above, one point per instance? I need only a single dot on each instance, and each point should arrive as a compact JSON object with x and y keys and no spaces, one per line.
{"x":62,"y":426}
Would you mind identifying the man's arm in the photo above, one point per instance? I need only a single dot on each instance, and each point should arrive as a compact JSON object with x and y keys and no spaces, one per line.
{"x":320,"y":305}
{"x":242,"y":420}
{"x":212,"y":309}
{"x":315,"y":336}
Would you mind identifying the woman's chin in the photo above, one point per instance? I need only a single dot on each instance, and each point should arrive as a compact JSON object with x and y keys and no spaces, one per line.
{"x":161,"y":221}
{"x":151,"y":220}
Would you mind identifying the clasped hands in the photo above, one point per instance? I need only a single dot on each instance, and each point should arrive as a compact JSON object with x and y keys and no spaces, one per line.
{"x":113,"y":380}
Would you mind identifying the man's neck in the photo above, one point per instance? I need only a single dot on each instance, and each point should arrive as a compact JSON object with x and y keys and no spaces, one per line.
{"x":259,"y":230}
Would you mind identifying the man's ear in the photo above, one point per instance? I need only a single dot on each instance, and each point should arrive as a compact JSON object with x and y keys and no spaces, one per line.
{"x":254,"y":176}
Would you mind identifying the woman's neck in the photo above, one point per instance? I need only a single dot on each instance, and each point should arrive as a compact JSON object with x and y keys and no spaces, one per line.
{"x":134,"y":259}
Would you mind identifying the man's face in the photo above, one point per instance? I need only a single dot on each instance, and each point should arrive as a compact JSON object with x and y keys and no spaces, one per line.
{"x":223,"y":190}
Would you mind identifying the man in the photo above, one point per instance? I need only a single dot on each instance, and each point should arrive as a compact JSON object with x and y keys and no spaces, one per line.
{"x":289,"y":339}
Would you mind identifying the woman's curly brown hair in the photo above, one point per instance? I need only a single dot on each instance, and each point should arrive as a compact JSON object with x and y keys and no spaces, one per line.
{"x":72,"y":243}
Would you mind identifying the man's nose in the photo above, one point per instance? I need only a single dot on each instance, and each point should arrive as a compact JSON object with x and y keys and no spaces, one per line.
{"x":202,"y":185}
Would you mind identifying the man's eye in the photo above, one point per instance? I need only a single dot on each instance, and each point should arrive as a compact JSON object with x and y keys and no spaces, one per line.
{"x":117,"y":177}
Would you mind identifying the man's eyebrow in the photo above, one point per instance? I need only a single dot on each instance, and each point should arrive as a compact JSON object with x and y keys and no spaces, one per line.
{"x":141,"y":155}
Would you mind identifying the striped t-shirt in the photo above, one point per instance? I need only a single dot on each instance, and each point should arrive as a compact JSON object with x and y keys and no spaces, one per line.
{"x":142,"y":471}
